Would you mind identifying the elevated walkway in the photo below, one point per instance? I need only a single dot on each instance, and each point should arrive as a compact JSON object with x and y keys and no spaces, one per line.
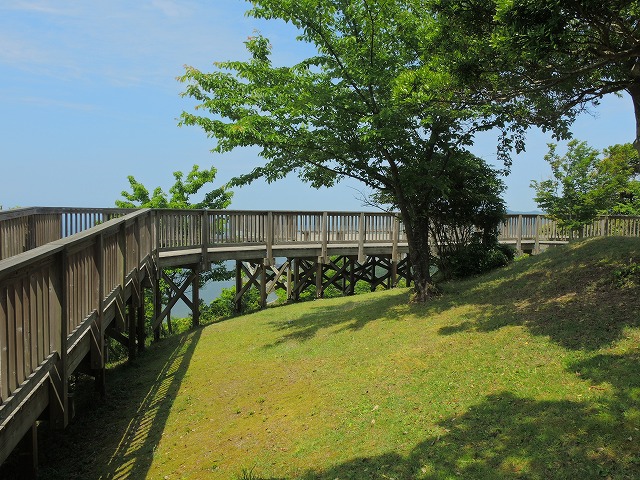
{"x":71,"y":277}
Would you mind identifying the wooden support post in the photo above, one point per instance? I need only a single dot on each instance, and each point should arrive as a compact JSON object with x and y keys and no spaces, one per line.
{"x":140,"y":327}
{"x":289,"y":279}
{"x":131,"y":329}
{"x":195,"y":297}
{"x":263,"y":283}
{"x":519,"y":234}
{"x":319,"y":290}
{"x":27,"y":451}
{"x":296,"y":279}
{"x":157,"y":304}
{"x":238,"y":299}
{"x":352,"y":276}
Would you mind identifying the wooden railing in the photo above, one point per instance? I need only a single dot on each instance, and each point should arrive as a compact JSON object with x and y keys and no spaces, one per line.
{"x":67,"y":273}
{"x":56,"y":301}
{"x":180,"y":229}
{"x":538,"y":230}
{"x":24,"y":229}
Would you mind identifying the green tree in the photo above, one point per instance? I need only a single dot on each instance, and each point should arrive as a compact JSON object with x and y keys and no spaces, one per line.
{"x":378,"y":103}
{"x":584,"y":184}
{"x":181,"y":196}
{"x":561,"y":56}
{"x":181,"y":193}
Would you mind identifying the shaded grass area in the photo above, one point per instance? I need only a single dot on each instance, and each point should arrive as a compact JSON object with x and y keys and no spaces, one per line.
{"x":529,"y":372}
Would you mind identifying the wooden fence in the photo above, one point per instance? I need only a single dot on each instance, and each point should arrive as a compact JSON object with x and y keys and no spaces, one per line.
{"x":67,"y":274}
{"x":23,"y":229}
{"x":56,"y":302}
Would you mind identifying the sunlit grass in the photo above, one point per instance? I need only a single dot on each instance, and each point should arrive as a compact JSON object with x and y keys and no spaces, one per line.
{"x":529,"y":372}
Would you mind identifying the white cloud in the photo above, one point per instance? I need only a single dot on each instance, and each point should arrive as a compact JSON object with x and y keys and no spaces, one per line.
{"x":38,"y":7}
{"x":171,"y":8}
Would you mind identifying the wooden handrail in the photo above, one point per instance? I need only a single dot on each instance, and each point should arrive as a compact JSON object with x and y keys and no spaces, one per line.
{"x":24,"y":229}
{"x":50,"y":298}
{"x":60,"y":287}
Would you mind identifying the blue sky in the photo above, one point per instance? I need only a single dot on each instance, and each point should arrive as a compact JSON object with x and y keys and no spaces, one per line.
{"x":88,"y":95}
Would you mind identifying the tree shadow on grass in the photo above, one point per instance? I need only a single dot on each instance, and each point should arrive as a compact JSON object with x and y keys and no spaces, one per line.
{"x":115,"y":438}
{"x":349,"y":316}
{"x":507,"y":437}
{"x":576,"y":303}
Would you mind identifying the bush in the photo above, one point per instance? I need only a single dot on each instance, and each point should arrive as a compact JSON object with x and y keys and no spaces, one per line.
{"x":475,"y":258}
{"x":224,"y":305}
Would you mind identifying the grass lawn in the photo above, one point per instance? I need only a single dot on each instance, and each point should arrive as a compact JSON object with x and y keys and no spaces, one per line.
{"x":530,"y":372}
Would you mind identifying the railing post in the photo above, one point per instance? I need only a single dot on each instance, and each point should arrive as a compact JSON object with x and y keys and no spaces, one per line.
{"x":519,"y":234}
{"x":536,"y":246}
{"x":325,"y":236}
{"x":31,"y":242}
{"x":59,"y":379}
{"x":122,"y":246}
{"x":97,"y":340}
{"x":269,"y":239}
{"x":361,"y":235}
{"x":204,"y":238}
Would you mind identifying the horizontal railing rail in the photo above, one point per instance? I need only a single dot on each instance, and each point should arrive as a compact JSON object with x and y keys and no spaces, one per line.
{"x":27,"y":228}
{"x":24,"y":229}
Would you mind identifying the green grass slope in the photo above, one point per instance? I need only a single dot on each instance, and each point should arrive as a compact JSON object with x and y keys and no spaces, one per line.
{"x":530,"y":372}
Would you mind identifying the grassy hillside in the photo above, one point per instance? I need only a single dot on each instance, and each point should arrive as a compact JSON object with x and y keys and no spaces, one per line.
{"x":529,"y":372}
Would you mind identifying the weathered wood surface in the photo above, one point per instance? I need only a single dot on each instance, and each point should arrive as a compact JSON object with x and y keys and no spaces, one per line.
{"x":67,"y":274}
{"x":56,"y":301}
{"x":24,"y":229}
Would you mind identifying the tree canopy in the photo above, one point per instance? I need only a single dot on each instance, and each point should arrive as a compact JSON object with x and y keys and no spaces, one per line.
{"x":561,"y":56}
{"x":378,"y":102}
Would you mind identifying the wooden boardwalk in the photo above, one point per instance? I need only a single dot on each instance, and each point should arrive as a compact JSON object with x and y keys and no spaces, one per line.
{"x":71,"y":277}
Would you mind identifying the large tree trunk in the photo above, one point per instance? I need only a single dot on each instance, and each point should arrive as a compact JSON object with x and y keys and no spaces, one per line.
{"x":634,"y":91}
{"x":417,"y":230}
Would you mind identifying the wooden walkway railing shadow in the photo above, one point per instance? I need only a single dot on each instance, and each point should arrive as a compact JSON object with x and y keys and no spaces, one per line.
{"x":134,"y":452}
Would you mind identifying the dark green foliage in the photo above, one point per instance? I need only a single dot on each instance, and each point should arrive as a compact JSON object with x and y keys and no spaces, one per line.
{"x":474,"y":258}
{"x":627,"y":276}
{"x":224,"y":305}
